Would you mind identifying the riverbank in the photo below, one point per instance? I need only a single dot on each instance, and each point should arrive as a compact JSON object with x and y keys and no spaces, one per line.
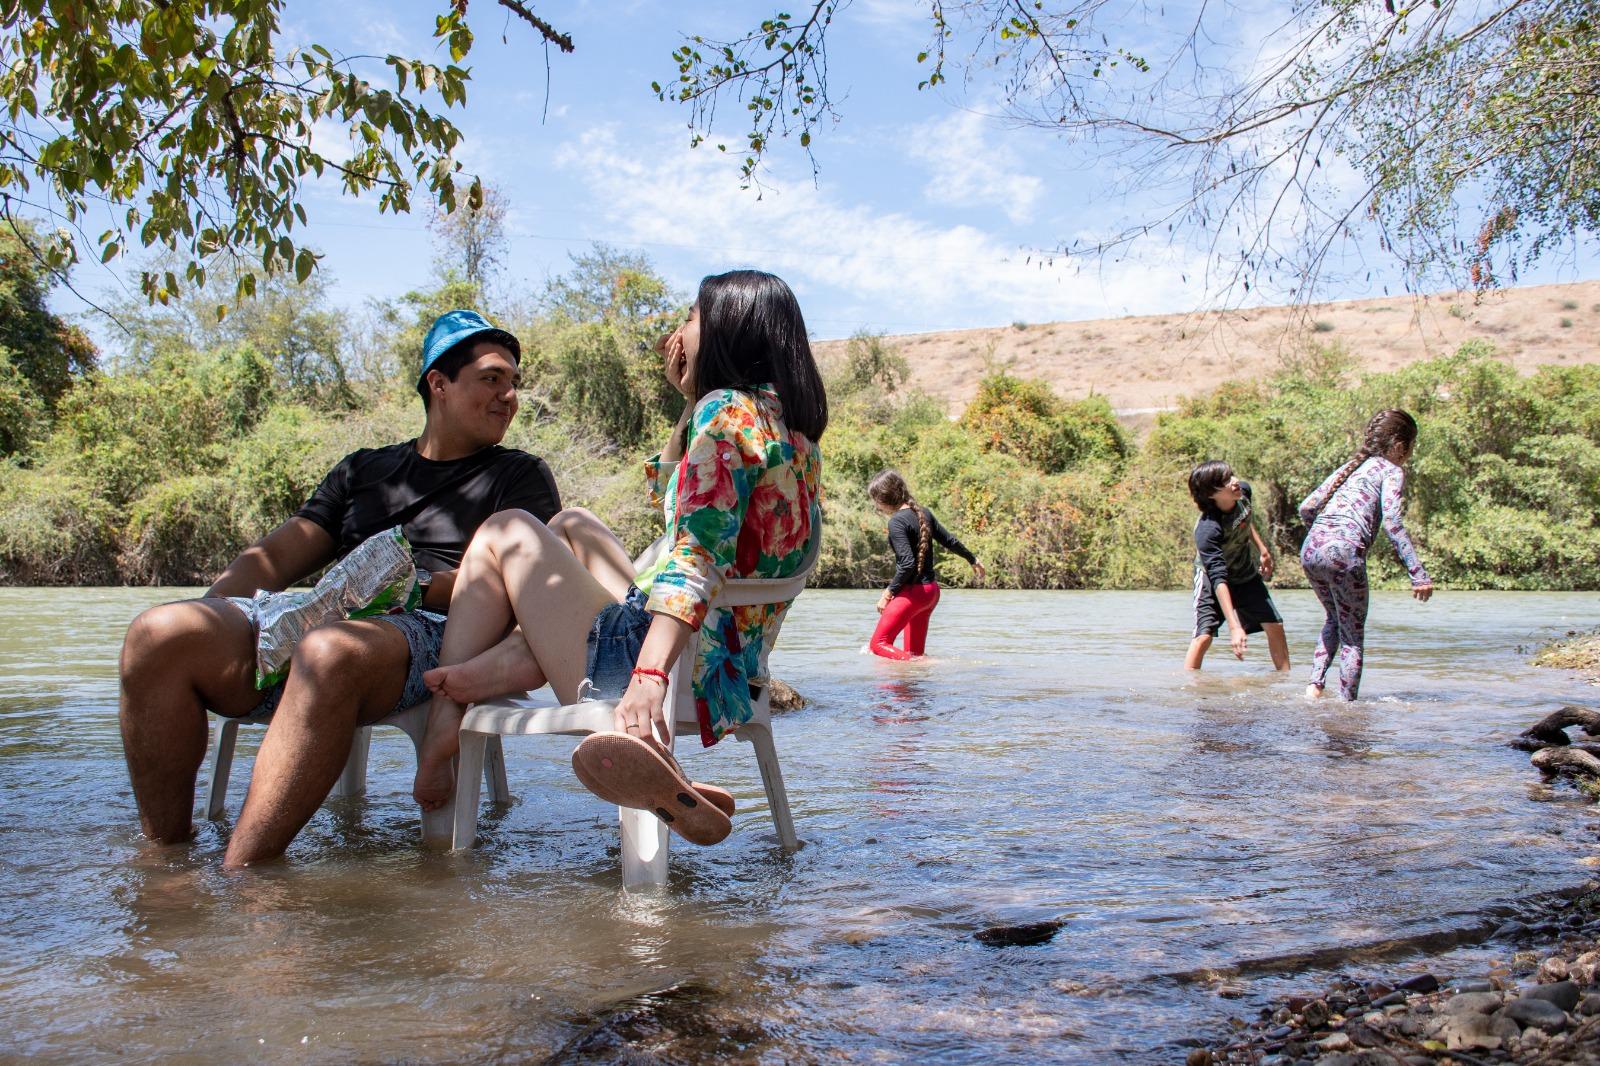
{"x":1577,"y":651}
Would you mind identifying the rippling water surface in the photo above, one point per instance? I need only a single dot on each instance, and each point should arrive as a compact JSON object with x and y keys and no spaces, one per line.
{"x":1050,"y":762}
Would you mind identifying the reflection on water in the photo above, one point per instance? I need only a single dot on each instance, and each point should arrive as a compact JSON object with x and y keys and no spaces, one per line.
{"x":1049,"y":762}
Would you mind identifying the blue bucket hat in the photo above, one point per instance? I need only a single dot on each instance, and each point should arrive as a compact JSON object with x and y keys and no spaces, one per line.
{"x":454,"y":327}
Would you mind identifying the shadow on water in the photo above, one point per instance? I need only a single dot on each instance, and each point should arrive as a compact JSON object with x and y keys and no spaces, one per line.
{"x":1048,"y":851}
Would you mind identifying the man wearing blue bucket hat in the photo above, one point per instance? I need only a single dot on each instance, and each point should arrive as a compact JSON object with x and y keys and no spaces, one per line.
{"x":180,"y":659}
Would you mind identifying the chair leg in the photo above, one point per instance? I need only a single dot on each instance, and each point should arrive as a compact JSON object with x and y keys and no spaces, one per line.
{"x":221,"y":765}
{"x":494,"y":771}
{"x":471,"y":771}
{"x":644,"y":848}
{"x":353,"y":781}
{"x":760,"y":738}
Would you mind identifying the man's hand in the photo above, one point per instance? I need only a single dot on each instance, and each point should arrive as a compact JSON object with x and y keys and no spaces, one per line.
{"x":1237,"y":639}
{"x":1267,"y":565}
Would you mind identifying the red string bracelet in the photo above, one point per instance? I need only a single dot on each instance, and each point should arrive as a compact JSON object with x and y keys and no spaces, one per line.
{"x":645,"y":671}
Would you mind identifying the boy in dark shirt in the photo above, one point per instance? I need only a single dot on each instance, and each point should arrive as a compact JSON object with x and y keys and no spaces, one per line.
{"x":1227,"y":583}
{"x":179,"y":659}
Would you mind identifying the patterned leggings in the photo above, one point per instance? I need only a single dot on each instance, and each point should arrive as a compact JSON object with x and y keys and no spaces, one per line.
{"x":1337,"y":570}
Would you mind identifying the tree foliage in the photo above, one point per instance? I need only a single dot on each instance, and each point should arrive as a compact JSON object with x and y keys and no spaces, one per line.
{"x":187,"y":126}
{"x":1463,"y":132}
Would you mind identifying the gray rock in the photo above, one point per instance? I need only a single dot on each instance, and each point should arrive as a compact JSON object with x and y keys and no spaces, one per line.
{"x":1467,"y":1031}
{"x":1316,"y":1014}
{"x":1589,"y":1005}
{"x":1356,"y":1058}
{"x":1539,"y":1013}
{"x":1563,"y":994}
{"x":1471,"y":1003}
{"x":1392,"y":999}
{"x":1553,"y":969}
{"x":1335,"y":1042}
{"x":1423,"y":982}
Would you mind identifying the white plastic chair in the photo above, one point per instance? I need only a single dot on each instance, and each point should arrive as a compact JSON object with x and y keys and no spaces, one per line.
{"x":412,"y":721}
{"x":644,"y":836}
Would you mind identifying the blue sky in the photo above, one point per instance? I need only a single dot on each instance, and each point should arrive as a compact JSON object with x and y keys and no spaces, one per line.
{"x":927,"y":213}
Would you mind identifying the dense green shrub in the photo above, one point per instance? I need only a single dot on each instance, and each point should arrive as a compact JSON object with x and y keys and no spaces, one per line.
{"x":182,"y":532}
{"x":54,"y":530}
{"x":1025,"y":419}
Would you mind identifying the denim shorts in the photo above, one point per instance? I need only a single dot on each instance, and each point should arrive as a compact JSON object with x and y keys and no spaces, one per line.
{"x":423,"y":632}
{"x":614,"y":643}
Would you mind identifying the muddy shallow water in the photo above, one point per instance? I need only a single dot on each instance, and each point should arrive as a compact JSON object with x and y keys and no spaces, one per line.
{"x":1050,"y":763}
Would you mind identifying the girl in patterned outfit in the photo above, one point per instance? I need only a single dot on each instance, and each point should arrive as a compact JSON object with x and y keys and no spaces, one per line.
{"x":1343,"y":515}
{"x":741,"y":501}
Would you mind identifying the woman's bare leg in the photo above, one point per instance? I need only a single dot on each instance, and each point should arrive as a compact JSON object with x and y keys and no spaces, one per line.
{"x":514,"y":569}
{"x":509,"y":666}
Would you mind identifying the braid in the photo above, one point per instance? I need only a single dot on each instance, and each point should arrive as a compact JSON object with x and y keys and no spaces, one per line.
{"x":924,"y":534}
{"x":1384,"y":430}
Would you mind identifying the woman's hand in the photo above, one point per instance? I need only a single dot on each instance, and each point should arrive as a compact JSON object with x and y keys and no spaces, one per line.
{"x":642,"y":710}
{"x":675,"y":362}
{"x":883,"y":601}
{"x":1422,"y":592}
{"x":977,"y":568}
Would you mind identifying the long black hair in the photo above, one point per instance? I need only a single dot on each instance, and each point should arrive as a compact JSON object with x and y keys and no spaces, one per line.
{"x":752,"y":333}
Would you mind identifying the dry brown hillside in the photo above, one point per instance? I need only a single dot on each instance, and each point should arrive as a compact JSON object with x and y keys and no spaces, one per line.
{"x":1145,"y":364}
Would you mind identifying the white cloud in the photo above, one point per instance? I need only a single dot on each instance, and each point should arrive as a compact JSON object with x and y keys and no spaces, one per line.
{"x":968,"y":169}
{"x":873,"y":267}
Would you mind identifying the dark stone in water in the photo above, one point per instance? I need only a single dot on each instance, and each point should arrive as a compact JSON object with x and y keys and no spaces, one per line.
{"x":1019,"y":936}
{"x":683,"y":1023}
{"x":1510,"y":931}
{"x":1392,"y":999}
{"x":1563,"y":994}
{"x":1423,"y":982}
{"x":1316,"y":1014}
{"x":1590,"y":1005}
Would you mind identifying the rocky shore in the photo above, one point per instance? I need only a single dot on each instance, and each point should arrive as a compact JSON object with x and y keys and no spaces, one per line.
{"x":1531,"y":1006}
{"x":1578,"y":651}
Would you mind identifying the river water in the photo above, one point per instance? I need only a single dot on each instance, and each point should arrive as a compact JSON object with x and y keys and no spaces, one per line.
{"x":1049,"y":762}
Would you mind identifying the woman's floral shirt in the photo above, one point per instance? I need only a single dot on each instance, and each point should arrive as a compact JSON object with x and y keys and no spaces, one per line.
{"x":745,"y":501}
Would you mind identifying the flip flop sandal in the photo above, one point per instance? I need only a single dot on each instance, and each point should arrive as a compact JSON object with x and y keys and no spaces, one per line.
{"x":720,"y":798}
{"x":624,"y":770}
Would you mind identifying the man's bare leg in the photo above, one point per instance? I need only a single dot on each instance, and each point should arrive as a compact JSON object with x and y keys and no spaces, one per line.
{"x":509,"y":666}
{"x":1197,"y":652}
{"x":177,"y":660}
{"x":514,"y":569}
{"x":342,"y":675}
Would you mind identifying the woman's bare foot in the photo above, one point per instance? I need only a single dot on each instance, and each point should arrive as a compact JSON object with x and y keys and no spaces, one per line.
{"x":508,"y":667}
{"x":1313,"y":692}
{"x":436,"y":777}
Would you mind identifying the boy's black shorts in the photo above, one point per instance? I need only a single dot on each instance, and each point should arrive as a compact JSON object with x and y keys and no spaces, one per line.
{"x":1250,"y":598}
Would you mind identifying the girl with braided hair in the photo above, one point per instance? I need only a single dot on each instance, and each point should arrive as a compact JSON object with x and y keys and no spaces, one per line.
{"x":1343,"y":516}
{"x":908,"y":602}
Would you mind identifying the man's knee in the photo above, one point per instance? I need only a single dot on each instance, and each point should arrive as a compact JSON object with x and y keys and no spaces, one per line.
{"x":163,"y":638}
{"x":330,"y":652}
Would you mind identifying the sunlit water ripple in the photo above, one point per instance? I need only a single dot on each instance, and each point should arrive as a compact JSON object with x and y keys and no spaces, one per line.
{"x":1049,"y":762}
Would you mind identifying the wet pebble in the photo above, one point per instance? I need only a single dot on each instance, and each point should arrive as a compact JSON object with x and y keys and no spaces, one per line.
{"x":1392,"y":999}
{"x":1470,"y":984}
{"x":1589,"y":1005}
{"x":1423,"y":982}
{"x":1471,"y":1003}
{"x":1316,"y":1014}
{"x":1553,"y":968}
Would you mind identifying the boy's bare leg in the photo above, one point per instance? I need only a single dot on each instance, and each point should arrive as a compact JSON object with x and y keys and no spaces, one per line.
{"x":342,"y":675}
{"x":1197,"y":652}
{"x":1277,"y":644}
{"x":509,"y":666}
{"x":177,"y":660}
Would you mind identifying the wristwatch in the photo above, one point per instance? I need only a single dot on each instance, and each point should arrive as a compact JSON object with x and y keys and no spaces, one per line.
{"x":424,"y":579}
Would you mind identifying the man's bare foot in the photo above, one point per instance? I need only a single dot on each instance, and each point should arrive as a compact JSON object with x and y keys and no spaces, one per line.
{"x":436,"y":777}
{"x":506,"y":668}
{"x":1313,"y":692}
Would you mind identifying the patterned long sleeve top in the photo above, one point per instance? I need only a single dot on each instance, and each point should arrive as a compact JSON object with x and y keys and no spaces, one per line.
{"x":1373,"y":495}
{"x":744,"y":501}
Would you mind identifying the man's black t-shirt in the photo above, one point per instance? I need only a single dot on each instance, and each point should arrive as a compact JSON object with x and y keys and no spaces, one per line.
{"x":438,"y":505}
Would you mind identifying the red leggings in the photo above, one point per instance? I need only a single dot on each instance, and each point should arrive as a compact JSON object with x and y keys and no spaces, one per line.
{"x":909,"y":610}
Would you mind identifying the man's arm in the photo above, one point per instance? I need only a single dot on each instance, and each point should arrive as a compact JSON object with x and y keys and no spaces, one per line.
{"x":1261,"y":546}
{"x":288,"y":554}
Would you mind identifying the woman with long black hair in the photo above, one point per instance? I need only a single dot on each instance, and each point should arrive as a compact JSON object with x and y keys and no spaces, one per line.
{"x":741,"y":501}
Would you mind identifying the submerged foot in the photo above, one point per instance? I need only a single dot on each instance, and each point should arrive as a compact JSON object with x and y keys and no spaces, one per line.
{"x":504,"y":669}
{"x":1313,"y":692}
{"x":436,"y":777}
